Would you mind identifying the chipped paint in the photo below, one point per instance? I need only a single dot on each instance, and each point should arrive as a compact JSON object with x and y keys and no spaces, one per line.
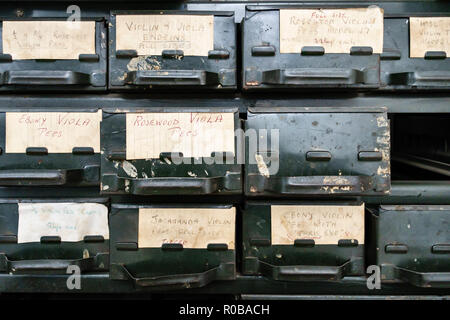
{"x":129,"y":169}
{"x":144,"y":175}
{"x":105,"y":187}
{"x":262,"y":167}
{"x":167,"y":160}
{"x":143,"y":63}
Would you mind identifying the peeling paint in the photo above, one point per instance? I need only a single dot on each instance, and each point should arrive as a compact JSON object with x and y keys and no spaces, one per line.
{"x":143,"y":63}
{"x":129,"y":169}
{"x":262,"y":167}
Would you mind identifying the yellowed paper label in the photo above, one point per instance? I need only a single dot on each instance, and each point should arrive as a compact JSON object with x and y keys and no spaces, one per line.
{"x":195,"y":134}
{"x":193,"y":228}
{"x":429,"y":34}
{"x":48,"y":39}
{"x":323,"y":224}
{"x":59,"y":132}
{"x":70,"y":221}
{"x":151,"y":34}
{"x":337,"y":30}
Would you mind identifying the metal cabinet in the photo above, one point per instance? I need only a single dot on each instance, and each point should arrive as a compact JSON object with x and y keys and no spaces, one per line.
{"x":48,"y":236}
{"x":300,"y":241}
{"x":52,"y":54}
{"x":185,"y":50}
{"x":172,"y":246}
{"x":321,"y":151}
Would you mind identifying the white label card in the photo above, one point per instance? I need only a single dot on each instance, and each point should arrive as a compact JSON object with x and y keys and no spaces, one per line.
{"x":70,"y":221}
{"x":323,"y":224}
{"x":193,"y":228}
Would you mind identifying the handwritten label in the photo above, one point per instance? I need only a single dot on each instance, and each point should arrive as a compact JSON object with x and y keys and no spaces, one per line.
{"x":59,"y":132}
{"x":323,"y":224}
{"x":70,"y":221}
{"x":195,"y":134}
{"x":151,"y":34}
{"x":429,"y":34}
{"x":193,"y":228}
{"x":336,"y":30}
{"x":48,"y":39}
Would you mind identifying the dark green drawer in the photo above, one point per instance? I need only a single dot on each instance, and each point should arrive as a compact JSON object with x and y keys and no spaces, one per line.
{"x":56,"y":234}
{"x":172,"y":246}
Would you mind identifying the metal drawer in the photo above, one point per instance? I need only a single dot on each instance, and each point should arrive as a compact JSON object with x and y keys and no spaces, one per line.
{"x":266,"y":67}
{"x":48,"y":147}
{"x":399,"y":71}
{"x":157,"y":171}
{"x":327,"y":151}
{"x":300,"y":241}
{"x":47,"y":244}
{"x":413,"y":243}
{"x":85,"y":71}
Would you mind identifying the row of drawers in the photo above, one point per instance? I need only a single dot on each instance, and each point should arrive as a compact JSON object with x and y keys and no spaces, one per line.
{"x":203,"y":151}
{"x":154,"y":50}
{"x":184,"y":246}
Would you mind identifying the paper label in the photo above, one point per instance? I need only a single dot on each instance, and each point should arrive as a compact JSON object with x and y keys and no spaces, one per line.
{"x":48,"y":39}
{"x":323,"y":224}
{"x":70,"y":221}
{"x":337,"y":30}
{"x":195,"y":134}
{"x":151,"y":34}
{"x":59,"y":132}
{"x":193,"y":228}
{"x":429,"y":34}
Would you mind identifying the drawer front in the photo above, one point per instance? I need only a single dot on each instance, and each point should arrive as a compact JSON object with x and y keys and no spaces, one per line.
{"x":172,"y":246}
{"x":50,"y":147}
{"x":413,"y":244}
{"x":280,"y":57}
{"x":411,"y":61}
{"x":66,"y":58}
{"x":317,"y":151}
{"x":48,"y":236}
{"x":171,"y":55}
{"x":300,"y":241}
{"x":171,"y":151}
